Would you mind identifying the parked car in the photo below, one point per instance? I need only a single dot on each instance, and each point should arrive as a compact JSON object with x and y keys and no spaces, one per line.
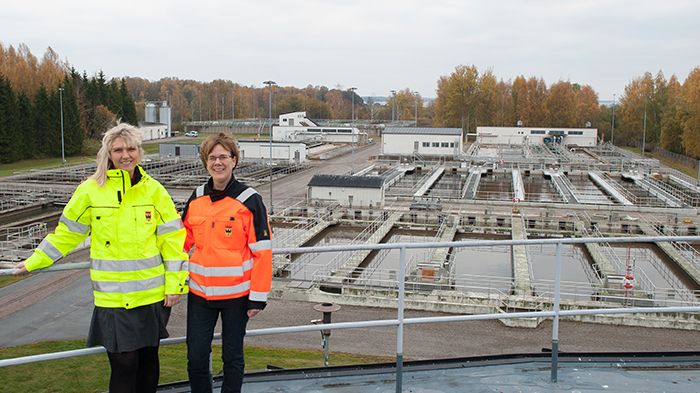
{"x":192,"y":133}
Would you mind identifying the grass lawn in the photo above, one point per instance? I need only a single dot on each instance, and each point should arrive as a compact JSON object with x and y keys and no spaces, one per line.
{"x":7,"y":280}
{"x":91,"y":373}
{"x":43,"y":163}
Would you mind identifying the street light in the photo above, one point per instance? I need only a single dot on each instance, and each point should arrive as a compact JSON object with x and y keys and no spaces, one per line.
{"x":415,"y":109}
{"x":270,"y":84}
{"x":393,"y":104}
{"x":644,"y":129}
{"x":352,"y":134}
{"x":63,"y":149}
{"x":612,"y":132}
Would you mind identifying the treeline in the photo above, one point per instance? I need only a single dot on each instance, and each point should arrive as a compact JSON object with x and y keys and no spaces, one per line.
{"x":220,"y":99}
{"x":31,"y":93}
{"x":672,"y":113}
{"x":467,"y":99}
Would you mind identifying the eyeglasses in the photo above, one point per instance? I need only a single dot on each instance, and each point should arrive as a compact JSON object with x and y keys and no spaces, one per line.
{"x":221,"y":158}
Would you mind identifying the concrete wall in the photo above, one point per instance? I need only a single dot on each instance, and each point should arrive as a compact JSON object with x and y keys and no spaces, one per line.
{"x":407,"y":144}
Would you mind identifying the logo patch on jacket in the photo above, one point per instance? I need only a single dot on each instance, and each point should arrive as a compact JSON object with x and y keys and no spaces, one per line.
{"x":228,"y":231}
{"x":148,"y":215}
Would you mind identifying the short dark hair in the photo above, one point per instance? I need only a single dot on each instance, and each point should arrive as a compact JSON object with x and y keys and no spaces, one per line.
{"x":226,"y":141}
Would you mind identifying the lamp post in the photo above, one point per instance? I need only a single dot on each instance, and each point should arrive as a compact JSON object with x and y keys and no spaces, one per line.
{"x":352,"y":133}
{"x":644,"y":128}
{"x":415,"y":110}
{"x":270,"y":84}
{"x":393,"y":104}
{"x":63,"y":149}
{"x":612,"y":127}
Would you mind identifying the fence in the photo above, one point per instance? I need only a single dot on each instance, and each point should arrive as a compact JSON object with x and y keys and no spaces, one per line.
{"x":683,"y":159}
{"x":400,"y":322}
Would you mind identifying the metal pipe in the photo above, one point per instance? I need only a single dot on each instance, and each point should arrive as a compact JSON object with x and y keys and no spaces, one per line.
{"x":372,"y":323}
{"x":399,"y":329}
{"x":555,"y":322}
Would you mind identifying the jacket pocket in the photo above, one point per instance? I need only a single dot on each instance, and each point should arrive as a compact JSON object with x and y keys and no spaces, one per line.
{"x":146,"y":220}
{"x":104,"y":227}
{"x":199,"y":227}
{"x":228,"y":233}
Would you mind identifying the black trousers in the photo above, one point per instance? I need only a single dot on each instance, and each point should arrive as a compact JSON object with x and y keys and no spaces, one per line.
{"x":201,"y":320}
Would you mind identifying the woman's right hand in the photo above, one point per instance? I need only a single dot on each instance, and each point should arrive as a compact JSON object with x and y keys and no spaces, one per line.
{"x":20,"y":269}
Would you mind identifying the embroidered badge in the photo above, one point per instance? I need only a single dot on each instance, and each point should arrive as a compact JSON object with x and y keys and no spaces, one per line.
{"x":228,"y":231}
{"x":148,"y":216}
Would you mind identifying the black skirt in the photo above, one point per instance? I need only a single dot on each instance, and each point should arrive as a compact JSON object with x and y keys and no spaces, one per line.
{"x":122,"y":330}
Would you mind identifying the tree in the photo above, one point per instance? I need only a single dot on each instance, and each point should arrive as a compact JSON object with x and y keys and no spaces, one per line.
{"x":561,"y":105}
{"x":42,"y":123}
{"x":9,"y":120}
{"x":691,"y":113}
{"x":457,"y":96}
{"x":671,"y":123}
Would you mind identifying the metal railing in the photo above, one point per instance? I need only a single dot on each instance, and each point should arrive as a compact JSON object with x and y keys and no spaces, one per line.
{"x":400,"y":322}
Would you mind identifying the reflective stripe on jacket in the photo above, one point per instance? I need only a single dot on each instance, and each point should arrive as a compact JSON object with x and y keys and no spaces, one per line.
{"x":231,"y":241}
{"x":136,"y":240}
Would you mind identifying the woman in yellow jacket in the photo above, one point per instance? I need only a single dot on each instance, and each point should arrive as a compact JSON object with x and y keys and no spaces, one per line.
{"x":229,"y":237}
{"x":138,"y":267}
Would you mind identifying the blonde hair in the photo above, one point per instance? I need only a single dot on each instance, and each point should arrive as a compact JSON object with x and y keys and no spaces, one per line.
{"x":226,"y":141}
{"x":132,"y":137}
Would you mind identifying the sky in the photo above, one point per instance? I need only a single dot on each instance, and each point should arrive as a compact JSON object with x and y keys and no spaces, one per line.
{"x":373,"y":45}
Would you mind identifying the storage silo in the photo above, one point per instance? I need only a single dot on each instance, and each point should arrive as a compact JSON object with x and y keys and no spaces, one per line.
{"x":165,"y":117}
{"x":150,"y":113}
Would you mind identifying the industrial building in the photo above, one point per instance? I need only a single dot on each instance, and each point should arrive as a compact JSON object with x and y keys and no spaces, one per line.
{"x":352,"y":191}
{"x":429,"y":142}
{"x":537,"y":135}
{"x":296,"y":127}
{"x":291,"y":152}
{"x":157,"y":120}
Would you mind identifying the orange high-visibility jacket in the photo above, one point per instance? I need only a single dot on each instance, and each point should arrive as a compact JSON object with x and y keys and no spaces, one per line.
{"x":229,"y":241}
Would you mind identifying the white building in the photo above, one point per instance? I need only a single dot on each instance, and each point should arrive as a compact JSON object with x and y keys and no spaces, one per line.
{"x":296,"y":127}
{"x":423,"y":141}
{"x":159,"y":112}
{"x":153,"y":130}
{"x":536,"y":135}
{"x":358,"y":191}
{"x":292,"y":152}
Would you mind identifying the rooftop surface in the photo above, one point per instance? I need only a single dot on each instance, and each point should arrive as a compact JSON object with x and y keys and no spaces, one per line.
{"x":651,"y":372}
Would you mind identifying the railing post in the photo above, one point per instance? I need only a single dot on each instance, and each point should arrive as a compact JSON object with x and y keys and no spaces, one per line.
{"x":555,"y":323}
{"x":399,"y":328}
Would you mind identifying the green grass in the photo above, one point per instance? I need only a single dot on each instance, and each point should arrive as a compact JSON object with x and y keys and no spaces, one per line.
{"x":91,"y":373}
{"x":7,"y":280}
{"x":42,"y":163}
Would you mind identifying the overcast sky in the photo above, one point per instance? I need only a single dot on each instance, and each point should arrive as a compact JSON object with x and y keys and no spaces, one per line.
{"x":376,"y":45}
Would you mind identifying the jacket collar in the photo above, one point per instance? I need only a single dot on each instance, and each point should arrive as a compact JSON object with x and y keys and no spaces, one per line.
{"x":216,"y":195}
{"x":122,"y":177}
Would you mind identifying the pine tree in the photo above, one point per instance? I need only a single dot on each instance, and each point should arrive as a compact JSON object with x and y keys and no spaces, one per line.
{"x":8,"y":123}
{"x":42,"y":123}
{"x":72,"y":133}
{"x":26,"y":138}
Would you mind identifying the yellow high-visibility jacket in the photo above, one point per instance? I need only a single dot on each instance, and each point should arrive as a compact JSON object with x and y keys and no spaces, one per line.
{"x":136,"y":245}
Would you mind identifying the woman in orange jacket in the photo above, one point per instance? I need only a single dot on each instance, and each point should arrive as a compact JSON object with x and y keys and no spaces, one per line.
{"x":229,"y":240}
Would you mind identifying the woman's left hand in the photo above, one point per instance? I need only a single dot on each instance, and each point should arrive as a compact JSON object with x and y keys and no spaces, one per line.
{"x":252,"y":313}
{"x":171,"y":300}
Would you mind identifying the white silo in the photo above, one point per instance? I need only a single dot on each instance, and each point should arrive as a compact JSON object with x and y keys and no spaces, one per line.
{"x":165,"y":116}
{"x":150,"y":113}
